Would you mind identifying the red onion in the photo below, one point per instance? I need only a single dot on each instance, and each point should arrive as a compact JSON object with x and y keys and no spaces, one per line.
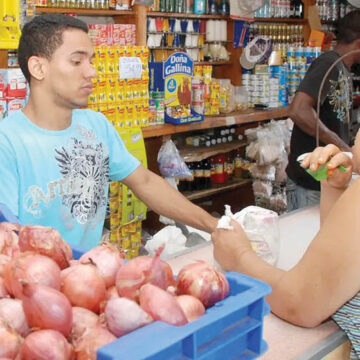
{"x":204,"y":282}
{"x":124,"y":315}
{"x":193,"y":308}
{"x":32,"y":268}
{"x":3,"y":292}
{"x":10,"y":342}
{"x":12,"y":312}
{"x":139,"y":271}
{"x":107,"y":259}
{"x":83,"y":320}
{"x":45,"y":241}
{"x":45,"y":345}
{"x":9,"y":239}
{"x":47,"y":308}
{"x":84,"y":287}
{"x":161,"y":305}
{"x":4,"y":259}
{"x":93,"y":340}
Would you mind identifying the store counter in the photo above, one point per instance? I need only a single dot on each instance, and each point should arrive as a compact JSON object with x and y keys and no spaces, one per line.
{"x":286,"y":341}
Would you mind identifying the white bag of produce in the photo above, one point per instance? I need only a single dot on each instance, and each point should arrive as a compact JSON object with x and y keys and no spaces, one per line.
{"x":262,"y":228}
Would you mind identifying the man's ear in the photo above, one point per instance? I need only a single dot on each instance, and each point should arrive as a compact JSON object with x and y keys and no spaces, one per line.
{"x":37,"y":67}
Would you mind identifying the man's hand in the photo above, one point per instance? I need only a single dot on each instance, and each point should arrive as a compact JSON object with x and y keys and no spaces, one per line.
{"x":334,"y":157}
{"x":230,"y":246}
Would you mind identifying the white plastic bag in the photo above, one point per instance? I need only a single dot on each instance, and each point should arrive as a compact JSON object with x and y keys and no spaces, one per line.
{"x":262,"y":228}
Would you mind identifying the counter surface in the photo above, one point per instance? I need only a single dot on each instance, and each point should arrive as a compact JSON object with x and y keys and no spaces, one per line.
{"x":286,"y":341}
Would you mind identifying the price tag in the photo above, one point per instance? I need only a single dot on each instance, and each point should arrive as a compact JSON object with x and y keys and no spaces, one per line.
{"x":130,"y":68}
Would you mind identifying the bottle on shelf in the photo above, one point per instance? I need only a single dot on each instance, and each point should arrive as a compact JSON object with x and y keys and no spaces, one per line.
{"x":237,"y":164}
{"x":198,"y":176}
{"x":207,"y":173}
{"x":229,"y":167}
{"x":299,"y":9}
{"x":219,"y":176}
{"x":190,"y":184}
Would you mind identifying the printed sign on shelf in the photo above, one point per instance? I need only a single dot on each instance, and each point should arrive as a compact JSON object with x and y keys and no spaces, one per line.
{"x":130,"y":68}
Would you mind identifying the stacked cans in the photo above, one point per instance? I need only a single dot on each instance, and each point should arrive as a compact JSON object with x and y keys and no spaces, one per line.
{"x":298,"y":63}
{"x":257,"y":86}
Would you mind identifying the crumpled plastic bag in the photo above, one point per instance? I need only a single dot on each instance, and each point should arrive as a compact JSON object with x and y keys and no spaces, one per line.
{"x":262,"y":228}
{"x":171,"y":164}
{"x":171,"y":237}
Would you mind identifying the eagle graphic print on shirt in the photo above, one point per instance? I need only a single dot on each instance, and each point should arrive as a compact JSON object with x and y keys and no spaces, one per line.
{"x":84,"y":165}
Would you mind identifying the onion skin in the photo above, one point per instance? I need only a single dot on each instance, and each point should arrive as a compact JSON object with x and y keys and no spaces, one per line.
{"x":84,"y":287}
{"x":139,"y":271}
{"x":10,"y":342}
{"x":124,"y":315}
{"x":107,"y":259}
{"x":46,"y":241}
{"x":4,"y":259}
{"x":45,"y":345}
{"x":112,"y":293}
{"x":83,"y":320}
{"x":9,"y":243}
{"x":32,"y":268}
{"x":12,"y":312}
{"x":161,"y":305}
{"x":47,"y":308}
{"x":93,"y":340}
{"x":193,"y":308}
{"x":204,"y":282}
{"x":3,"y":292}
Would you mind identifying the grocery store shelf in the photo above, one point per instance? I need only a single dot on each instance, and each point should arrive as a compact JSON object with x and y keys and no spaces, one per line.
{"x":191,"y":153}
{"x":213,"y":62}
{"x":188,"y":16}
{"x":214,"y":121}
{"x":217,"y":189}
{"x":281,"y":20}
{"x":88,"y":12}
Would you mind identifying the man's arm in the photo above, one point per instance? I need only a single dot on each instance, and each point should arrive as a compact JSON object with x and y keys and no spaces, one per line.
{"x":156,"y":193}
{"x":304,"y":116}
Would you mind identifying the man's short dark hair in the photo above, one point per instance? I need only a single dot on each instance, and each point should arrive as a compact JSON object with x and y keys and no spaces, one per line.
{"x":43,"y":35}
{"x":348,"y":27}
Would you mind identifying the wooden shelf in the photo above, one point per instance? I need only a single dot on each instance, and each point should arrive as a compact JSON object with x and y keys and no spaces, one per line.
{"x":281,"y":20}
{"x":214,"y":121}
{"x":215,"y":63}
{"x":216,"y":189}
{"x":191,"y":153}
{"x":88,"y":12}
{"x":188,"y":16}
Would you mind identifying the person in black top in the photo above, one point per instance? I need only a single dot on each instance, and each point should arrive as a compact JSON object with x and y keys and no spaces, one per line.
{"x":336,"y":121}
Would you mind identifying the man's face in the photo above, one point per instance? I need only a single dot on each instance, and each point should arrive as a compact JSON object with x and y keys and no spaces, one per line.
{"x":70,"y":70}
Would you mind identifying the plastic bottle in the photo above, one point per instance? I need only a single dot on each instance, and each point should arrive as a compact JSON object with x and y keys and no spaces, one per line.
{"x":219,"y":176}
{"x":198,"y":176}
{"x":237,"y":165}
{"x":207,"y":173}
{"x":199,"y":7}
{"x":229,"y":167}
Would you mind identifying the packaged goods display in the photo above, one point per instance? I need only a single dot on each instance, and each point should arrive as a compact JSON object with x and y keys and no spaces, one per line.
{"x":107,"y":304}
{"x":268,"y":147}
{"x":126,"y":211}
{"x":332,"y":10}
{"x":281,"y":9}
{"x":199,"y":7}
{"x":117,"y":93}
{"x":13,"y":91}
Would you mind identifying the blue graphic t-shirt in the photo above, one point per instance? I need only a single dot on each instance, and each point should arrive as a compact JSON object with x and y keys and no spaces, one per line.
{"x":61,"y":178}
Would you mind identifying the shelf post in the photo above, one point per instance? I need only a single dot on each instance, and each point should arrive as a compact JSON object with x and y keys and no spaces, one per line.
{"x":140,"y":22}
{"x":3,"y":58}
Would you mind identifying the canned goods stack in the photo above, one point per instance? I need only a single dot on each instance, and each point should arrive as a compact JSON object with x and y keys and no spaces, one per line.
{"x":298,"y":62}
{"x":78,"y":4}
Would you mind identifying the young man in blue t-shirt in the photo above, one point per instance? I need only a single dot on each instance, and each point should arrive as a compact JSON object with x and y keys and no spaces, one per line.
{"x":56,"y":160}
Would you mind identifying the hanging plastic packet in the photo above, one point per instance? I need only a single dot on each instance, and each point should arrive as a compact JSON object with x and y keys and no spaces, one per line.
{"x":171,"y":164}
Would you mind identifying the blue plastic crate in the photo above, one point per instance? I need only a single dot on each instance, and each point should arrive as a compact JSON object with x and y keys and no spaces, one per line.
{"x":231,"y":329}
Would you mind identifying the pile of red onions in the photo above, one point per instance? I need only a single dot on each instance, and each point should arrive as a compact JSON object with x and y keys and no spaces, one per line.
{"x":55,"y":307}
